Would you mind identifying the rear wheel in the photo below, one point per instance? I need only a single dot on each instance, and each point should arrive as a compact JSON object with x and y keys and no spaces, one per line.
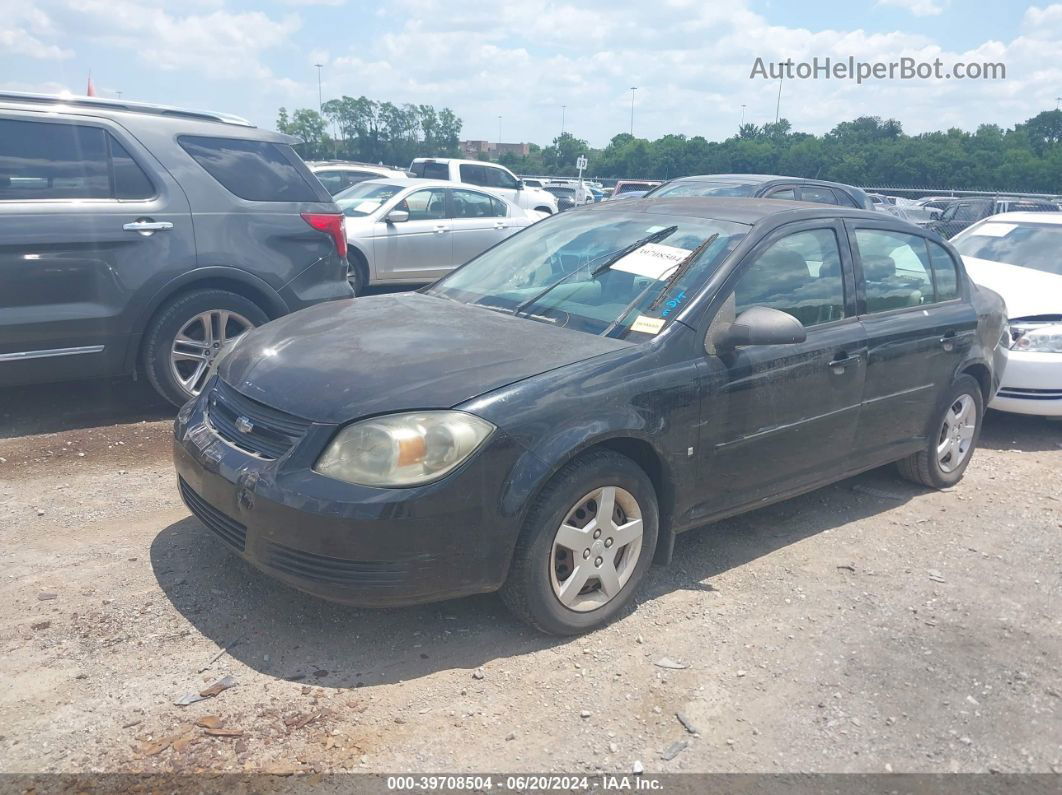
{"x":952,"y":443}
{"x":188,"y":333}
{"x":545,"y":210}
{"x":357,"y":272}
{"x":585,"y":546}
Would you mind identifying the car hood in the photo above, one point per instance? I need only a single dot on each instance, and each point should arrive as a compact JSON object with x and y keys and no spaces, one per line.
{"x":338,"y":361}
{"x":1026,"y":291}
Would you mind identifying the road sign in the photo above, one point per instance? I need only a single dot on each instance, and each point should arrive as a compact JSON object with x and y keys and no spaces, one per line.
{"x":581,"y":162}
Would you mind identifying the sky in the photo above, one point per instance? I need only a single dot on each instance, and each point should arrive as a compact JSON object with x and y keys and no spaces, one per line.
{"x":689,"y":59}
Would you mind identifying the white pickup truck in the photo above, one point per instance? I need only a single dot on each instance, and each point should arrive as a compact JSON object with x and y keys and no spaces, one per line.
{"x":490,"y":176}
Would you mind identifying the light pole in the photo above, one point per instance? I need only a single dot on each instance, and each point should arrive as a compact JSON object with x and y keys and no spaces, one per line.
{"x":563,"y":108}
{"x":320,"y":102}
{"x":119,"y":93}
{"x":778,"y":104}
{"x":499,"y":128}
{"x":1057,"y":100}
{"x":742,"y":116}
{"x":633,"y":89}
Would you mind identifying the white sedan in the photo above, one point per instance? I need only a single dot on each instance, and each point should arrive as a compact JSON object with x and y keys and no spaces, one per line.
{"x":1019,"y":256}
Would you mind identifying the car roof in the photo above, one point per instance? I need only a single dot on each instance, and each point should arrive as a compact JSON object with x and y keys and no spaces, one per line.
{"x":758,"y":179}
{"x":323,"y":165}
{"x":743,"y":210}
{"x":95,"y":106}
{"x":1027,"y":218}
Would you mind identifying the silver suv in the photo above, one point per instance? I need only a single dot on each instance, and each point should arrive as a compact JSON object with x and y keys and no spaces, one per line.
{"x":141,"y":238}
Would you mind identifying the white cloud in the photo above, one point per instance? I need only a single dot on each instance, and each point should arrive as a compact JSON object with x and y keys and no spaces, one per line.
{"x":24,"y":30}
{"x":920,"y":8}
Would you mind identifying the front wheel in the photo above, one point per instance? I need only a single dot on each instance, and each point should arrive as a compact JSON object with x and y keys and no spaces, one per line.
{"x":586,"y":544}
{"x":952,"y":442}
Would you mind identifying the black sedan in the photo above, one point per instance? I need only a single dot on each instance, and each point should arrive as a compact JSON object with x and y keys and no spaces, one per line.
{"x":545,"y":419}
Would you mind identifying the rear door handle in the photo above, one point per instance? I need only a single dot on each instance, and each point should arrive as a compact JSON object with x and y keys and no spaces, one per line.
{"x":838,"y":365}
{"x":441,"y":228}
{"x":146,"y":226}
{"x":499,"y":225}
{"x":948,"y":340}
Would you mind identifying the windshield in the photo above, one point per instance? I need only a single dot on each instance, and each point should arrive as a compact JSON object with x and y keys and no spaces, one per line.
{"x":552,"y":271}
{"x":627,"y":187}
{"x":366,"y":197}
{"x":1033,"y":246}
{"x":562,"y":191}
{"x":678,"y":189}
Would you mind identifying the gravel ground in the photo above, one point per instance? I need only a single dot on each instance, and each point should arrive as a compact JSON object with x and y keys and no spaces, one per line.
{"x":869,"y":626}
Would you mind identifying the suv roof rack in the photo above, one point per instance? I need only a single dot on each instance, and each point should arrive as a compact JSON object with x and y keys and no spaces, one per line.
{"x":121,"y":105}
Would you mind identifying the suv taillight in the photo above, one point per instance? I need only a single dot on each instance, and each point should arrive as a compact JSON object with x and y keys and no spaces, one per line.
{"x":331,"y":224}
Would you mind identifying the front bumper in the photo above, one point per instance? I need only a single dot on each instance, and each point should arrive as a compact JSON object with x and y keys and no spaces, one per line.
{"x":353,"y":544}
{"x":1032,"y":384}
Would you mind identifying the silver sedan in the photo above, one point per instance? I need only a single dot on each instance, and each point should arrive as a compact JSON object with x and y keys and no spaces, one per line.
{"x":413,"y":231}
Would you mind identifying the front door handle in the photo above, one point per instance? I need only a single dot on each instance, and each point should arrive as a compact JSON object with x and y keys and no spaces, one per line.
{"x":499,"y":225}
{"x":948,"y":341}
{"x":441,"y":228}
{"x":838,"y":365}
{"x":146,"y":226}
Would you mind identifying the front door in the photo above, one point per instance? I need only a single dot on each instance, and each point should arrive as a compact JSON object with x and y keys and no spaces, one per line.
{"x":82,"y":226}
{"x":780,"y":417}
{"x":420,"y":248}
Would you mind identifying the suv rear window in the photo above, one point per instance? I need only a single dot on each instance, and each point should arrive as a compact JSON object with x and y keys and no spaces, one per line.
{"x":49,"y":160}
{"x":258,"y":171}
{"x":430,"y":170}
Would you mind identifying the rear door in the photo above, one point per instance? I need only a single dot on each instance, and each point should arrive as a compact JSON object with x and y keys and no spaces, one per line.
{"x":86,"y":219}
{"x":918,"y":329}
{"x":419,"y":249}
{"x":478,"y":221}
{"x":784,"y":416}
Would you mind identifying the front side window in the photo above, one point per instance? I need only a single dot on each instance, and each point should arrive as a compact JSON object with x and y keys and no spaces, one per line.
{"x":782,"y":193}
{"x":799,"y":274}
{"x":254,"y":170}
{"x":550,"y":273}
{"x":472,"y":204}
{"x":896,"y":269}
{"x":497,"y":178}
{"x":425,"y":205}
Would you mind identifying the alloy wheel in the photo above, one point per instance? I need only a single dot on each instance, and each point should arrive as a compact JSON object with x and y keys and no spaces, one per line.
{"x":596,"y":549}
{"x":956,"y":434}
{"x":199,"y":342}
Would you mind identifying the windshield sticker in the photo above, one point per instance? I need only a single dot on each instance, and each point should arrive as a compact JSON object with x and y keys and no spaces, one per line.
{"x":367,"y":206}
{"x":647,"y":325}
{"x":993,"y":230}
{"x":652,"y":260}
{"x":673,"y":303}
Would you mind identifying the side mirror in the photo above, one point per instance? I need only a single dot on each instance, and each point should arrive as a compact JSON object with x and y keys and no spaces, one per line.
{"x":520,"y":184}
{"x":761,"y":325}
{"x":397,"y":217}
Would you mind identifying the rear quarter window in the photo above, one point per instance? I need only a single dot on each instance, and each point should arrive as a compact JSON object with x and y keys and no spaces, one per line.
{"x":259,"y":171}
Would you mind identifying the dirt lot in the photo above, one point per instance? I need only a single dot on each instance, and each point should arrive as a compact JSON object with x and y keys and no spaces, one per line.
{"x":869,"y":626}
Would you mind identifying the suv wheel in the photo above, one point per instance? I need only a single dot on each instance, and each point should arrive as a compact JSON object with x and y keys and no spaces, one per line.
{"x":586,"y":544}
{"x":187,"y":335}
{"x":953,"y":439}
{"x":357,"y":272}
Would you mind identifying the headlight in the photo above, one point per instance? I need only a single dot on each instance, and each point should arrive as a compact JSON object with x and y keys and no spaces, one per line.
{"x":1040,"y":338}
{"x":403,"y":449}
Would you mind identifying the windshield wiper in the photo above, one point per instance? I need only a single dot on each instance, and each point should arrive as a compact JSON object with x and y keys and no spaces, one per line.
{"x":612,"y":259}
{"x":680,"y":269}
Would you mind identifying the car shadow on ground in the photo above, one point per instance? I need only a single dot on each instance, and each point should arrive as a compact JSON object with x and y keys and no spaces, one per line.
{"x":283,"y":633}
{"x":74,"y":405}
{"x":1004,"y":431}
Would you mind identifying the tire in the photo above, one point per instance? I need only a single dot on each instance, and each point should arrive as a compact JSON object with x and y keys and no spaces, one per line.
{"x":545,"y":210}
{"x":928,"y":467}
{"x":174,"y":317}
{"x":357,"y":272}
{"x":530,"y":591}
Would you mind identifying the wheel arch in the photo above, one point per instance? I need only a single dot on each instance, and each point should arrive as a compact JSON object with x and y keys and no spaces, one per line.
{"x":217,"y":278}
{"x":983,"y":375}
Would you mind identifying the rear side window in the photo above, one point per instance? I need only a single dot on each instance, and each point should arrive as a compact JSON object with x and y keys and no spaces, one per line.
{"x":40,"y":160}
{"x":470,"y":204}
{"x":815,"y":193}
{"x":474,"y":175}
{"x":430,"y":170}
{"x":895,"y":268}
{"x":258,"y":171}
{"x":844,"y":199}
{"x":782,"y":193}
{"x":945,"y":277}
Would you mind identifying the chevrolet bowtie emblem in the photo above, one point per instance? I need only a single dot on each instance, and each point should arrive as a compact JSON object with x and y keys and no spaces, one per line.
{"x":244,"y":425}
